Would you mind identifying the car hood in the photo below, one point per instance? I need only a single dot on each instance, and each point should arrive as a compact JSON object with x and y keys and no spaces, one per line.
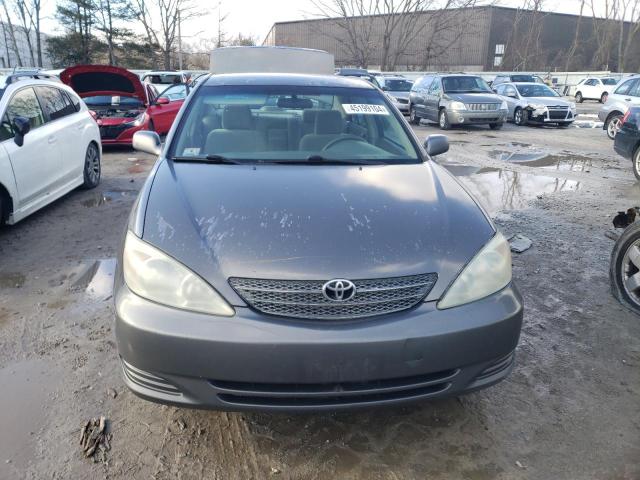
{"x":548,"y":101}
{"x":95,"y":80}
{"x":474,"y":97}
{"x":313,"y":222}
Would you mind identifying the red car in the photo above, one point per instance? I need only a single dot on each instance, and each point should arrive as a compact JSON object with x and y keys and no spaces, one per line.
{"x":122,"y":103}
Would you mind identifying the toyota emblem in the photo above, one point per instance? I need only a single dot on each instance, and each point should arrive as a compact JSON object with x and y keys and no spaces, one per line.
{"x":339,"y":290}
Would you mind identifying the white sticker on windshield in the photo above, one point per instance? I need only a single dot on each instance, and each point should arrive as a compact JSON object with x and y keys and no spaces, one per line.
{"x":364,"y":109}
{"x":191,"y":151}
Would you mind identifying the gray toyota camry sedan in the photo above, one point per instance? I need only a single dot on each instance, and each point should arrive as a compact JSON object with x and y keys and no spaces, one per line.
{"x":296,"y":248}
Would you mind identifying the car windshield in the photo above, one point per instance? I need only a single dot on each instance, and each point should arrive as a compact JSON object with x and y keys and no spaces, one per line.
{"x":465,"y":85}
{"x":523,"y":78}
{"x":163,"y":78}
{"x":398,"y":85}
{"x":102,"y":100}
{"x":609,"y":81}
{"x":536,"y":90}
{"x":281,"y":124}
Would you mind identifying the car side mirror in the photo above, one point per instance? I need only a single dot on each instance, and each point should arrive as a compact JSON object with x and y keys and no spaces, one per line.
{"x":436,"y":145}
{"x":162,"y":101}
{"x":21,"y":127}
{"x":147,"y":142}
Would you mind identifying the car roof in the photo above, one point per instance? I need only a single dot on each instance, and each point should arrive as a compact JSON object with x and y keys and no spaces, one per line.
{"x":288,"y":79}
{"x":529,"y":83}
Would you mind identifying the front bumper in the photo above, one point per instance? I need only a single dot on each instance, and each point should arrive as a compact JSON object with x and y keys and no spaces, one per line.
{"x":256,"y":362}
{"x":467,"y":117}
{"x":543,"y":116}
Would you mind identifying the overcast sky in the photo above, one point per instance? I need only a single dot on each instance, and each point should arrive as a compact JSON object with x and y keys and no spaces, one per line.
{"x":255,"y":17}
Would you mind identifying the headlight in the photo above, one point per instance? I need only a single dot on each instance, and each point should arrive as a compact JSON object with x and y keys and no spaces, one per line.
{"x":139,"y":120}
{"x":537,"y":106}
{"x":156,"y":276}
{"x":458,"y":106}
{"x":572,"y":106}
{"x":487,"y":273}
{"x":504,"y":106}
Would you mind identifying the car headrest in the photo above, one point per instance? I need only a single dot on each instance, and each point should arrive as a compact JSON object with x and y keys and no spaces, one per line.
{"x":328,"y":122}
{"x":237,"y":117}
{"x":309,"y":116}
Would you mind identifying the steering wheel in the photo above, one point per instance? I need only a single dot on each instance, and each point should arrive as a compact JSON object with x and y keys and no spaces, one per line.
{"x":349,"y":138}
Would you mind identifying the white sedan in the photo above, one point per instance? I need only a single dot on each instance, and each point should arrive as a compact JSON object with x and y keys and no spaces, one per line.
{"x":49,"y":145}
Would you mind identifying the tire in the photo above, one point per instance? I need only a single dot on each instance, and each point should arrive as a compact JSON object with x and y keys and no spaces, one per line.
{"x":414,"y":119}
{"x":443,"y":120}
{"x":520,"y":117}
{"x":495,"y":126}
{"x":4,"y":208}
{"x":612,"y":124}
{"x":622,"y":267}
{"x":604,"y":97}
{"x":579,"y":98}
{"x":92,"y":167}
{"x":635,"y":162}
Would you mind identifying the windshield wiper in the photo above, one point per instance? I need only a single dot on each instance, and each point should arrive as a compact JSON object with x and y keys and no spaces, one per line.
{"x":320,"y":160}
{"x":211,"y":159}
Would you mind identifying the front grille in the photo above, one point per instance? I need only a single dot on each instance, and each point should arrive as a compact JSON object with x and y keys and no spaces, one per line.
{"x":110,"y":132}
{"x":304,"y":298}
{"x":557,"y":113}
{"x":328,"y":394}
{"x":482,"y":107}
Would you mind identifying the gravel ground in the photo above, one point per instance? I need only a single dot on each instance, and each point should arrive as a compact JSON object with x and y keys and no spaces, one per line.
{"x":570,"y":410}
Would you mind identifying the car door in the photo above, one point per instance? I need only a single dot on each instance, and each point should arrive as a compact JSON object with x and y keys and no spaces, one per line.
{"x":433,"y":99}
{"x":163,"y":115}
{"x":510,"y":96}
{"x":627,"y":93}
{"x":418,"y":95}
{"x":589,"y":89}
{"x":36,"y":164}
{"x":64,"y":122}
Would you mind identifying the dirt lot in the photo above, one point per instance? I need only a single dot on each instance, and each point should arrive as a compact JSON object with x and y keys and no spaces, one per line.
{"x":570,"y":410}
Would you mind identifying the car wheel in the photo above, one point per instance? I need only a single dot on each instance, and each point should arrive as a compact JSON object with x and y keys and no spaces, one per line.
{"x":624,"y":269}
{"x":579,"y":98}
{"x":636,"y":163}
{"x":91,"y":167}
{"x":604,"y":97}
{"x":4,"y":207}
{"x":520,"y":117}
{"x":443,"y":120}
{"x":613,"y":123}
{"x":414,"y":119}
{"x":495,"y":126}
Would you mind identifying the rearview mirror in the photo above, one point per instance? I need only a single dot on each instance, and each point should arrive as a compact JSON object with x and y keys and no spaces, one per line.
{"x":162,"y":101}
{"x":436,"y":145}
{"x":147,"y":142}
{"x":21,"y":127}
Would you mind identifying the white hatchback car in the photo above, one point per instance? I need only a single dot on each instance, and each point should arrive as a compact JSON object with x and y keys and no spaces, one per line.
{"x":49,"y":144}
{"x":593,"y":88}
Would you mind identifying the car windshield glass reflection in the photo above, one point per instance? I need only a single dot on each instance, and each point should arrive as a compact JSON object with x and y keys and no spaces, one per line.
{"x":398,"y":85}
{"x":465,"y":85}
{"x":292,"y":124}
{"x":536,"y":91}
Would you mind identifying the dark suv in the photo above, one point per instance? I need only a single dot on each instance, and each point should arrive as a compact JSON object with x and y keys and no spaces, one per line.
{"x":455,"y":99}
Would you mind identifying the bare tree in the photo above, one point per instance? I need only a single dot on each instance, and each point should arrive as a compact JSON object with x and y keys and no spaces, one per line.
{"x":523,"y":49}
{"x":12,"y":33}
{"x":576,"y":38}
{"x":628,"y":12}
{"x":160,"y":19}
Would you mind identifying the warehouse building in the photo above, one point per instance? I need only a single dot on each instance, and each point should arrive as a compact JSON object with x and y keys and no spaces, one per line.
{"x":473,"y":39}
{"x":19,"y":55}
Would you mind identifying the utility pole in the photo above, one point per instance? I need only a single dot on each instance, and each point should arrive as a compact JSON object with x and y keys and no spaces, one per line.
{"x":179,"y":41}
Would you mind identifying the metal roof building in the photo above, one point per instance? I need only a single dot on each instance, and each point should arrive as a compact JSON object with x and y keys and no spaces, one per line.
{"x":473,"y":39}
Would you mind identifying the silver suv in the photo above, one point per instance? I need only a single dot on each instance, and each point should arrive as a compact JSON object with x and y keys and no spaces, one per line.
{"x":456,"y":99}
{"x":625,"y":96}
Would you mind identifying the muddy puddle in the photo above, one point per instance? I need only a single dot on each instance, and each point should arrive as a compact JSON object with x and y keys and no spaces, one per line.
{"x":498,"y":189}
{"x":530,"y":156}
{"x":28,"y":387}
{"x":96,"y":279}
{"x":100,"y":198}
